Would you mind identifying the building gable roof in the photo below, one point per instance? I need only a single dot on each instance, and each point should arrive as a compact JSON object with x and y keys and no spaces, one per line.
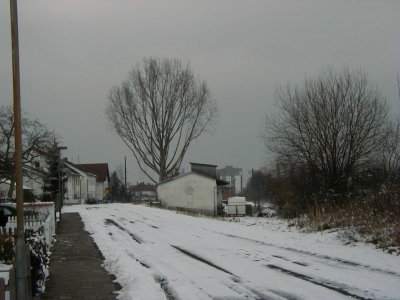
{"x":100,"y":170}
{"x":77,"y":170}
{"x":219,"y":182}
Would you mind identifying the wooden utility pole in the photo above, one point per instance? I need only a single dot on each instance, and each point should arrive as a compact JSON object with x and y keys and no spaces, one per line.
{"x":60,"y":181}
{"x":23,"y":289}
{"x":398,"y":171}
{"x":125,"y":173}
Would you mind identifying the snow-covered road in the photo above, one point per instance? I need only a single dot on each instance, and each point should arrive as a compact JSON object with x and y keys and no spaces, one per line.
{"x":159,"y":254}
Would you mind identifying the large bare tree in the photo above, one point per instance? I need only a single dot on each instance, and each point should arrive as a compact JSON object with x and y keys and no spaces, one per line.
{"x":158,"y":111}
{"x":389,"y":161}
{"x":36,"y":142}
{"x":330,"y":126}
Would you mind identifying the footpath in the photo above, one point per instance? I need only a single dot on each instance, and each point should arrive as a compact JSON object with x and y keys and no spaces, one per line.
{"x":75,"y":265}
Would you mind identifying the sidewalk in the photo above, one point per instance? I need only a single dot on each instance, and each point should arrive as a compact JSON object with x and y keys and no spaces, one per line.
{"x":75,"y":265}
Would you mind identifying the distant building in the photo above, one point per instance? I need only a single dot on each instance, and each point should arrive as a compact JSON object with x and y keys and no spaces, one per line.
{"x":102,"y":178}
{"x":234,"y":177}
{"x":85,"y":182}
{"x":80,"y":186}
{"x":198,"y":190}
{"x":32,"y":180}
{"x":143,"y":191}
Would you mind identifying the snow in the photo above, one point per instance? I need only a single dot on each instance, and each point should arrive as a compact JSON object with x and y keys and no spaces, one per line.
{"x":160,"y":254}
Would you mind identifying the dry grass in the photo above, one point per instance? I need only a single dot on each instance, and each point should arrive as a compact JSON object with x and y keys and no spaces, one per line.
{"x":362,"y":221}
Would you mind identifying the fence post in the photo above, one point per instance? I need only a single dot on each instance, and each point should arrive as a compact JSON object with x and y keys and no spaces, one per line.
{"x":11,"y":284}
{"x":2,"y":289}
{"x":29,"y":274}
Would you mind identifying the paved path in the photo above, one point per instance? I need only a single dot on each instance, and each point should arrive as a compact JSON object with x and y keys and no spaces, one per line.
{"x":75,"y":266}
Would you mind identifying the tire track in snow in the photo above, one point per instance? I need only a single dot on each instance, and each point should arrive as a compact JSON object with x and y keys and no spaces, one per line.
{"x":168,"y":291}
{"x":236,"y":284}
{"x":203,"y":260}
{"x":146,"y":266}
{"x":133,"y":236}
{"x":292,"y":261}
{"x":317,"y":255}
{"x":329,"y":285}
{"x":249,"y":292}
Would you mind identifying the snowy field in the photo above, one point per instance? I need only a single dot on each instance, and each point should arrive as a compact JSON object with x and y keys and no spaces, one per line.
{"x":159,"y":254}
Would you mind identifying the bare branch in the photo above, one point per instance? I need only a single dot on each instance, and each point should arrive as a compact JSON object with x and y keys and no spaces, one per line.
{"x":158,"y":111}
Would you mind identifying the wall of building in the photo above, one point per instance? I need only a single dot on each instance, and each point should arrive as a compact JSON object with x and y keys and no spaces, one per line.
{"x":100,"y":191}
{"x":80,"y":188}
{"x":190,"y":191}
{"x":238,"y":185}
{"x":74,"y":194}
{"x":234,"y":177}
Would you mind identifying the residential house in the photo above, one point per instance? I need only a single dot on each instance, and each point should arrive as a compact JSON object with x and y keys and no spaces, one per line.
{"x":80,"y":185}
{"x":4,"y":188}
{"x":32,"y":179}
{"x":102,"y":178}
{"x":198,"y":190}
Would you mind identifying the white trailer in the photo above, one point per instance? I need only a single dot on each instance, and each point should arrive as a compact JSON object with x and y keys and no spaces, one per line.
{"x":236,"y":206}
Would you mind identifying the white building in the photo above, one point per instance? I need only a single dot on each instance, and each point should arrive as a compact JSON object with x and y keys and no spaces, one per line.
{"x":102,"y":178}
{"x":234,"y":177}
{"x":80,"y":185}
{"x":32,"y":180}
{"x":196,"y":191}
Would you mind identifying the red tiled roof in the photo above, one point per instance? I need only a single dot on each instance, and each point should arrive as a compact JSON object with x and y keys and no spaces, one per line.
{"x":100,"y":170}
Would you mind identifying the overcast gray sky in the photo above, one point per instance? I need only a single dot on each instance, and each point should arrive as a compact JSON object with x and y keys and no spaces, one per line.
{"x":72,"y":52}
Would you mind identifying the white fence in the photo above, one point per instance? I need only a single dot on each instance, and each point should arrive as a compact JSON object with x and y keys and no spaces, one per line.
{"x":41,"y":221}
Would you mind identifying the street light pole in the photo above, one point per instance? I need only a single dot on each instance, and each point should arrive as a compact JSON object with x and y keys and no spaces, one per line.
{"x":23,"y":290}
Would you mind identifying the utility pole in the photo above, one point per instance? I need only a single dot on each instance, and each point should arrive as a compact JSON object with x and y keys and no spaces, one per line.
{"x":125,"y":171}
{"x":254,"y":190}
{"x":398,"y":171}
{"x":125,"y":186}
{"x":22,"y":265}
{"x":60,"y":181}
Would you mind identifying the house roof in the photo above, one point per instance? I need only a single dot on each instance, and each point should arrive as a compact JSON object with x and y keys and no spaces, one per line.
{"x":100,"y":170}
{"x":219,"y":182}
{"x":77,"y":170}
{"x":205,"y":165}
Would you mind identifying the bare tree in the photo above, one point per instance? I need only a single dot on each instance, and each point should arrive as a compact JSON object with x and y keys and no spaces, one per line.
{"x":389,"y":160}
{"x":330,"y":126}
{"x":158,"y":111}
{"x":36,"y":142}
